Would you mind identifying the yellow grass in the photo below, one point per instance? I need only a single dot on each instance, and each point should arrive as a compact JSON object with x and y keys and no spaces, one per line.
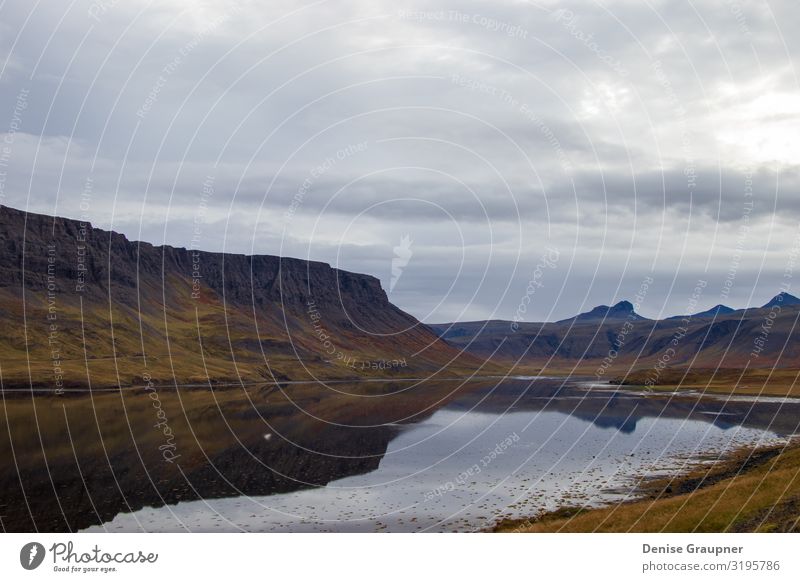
{"x":762,"y":498}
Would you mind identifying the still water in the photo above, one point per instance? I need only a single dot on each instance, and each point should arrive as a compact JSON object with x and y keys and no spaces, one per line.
{"x":489,"y":451}
{"x":395,"y":457}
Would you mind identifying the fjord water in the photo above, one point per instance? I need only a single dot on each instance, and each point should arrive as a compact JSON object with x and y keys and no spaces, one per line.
{"x":400,"y":456}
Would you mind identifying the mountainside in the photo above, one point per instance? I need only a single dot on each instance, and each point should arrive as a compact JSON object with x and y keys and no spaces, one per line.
{"x":606,"y":340}
{"x":82,"y":305}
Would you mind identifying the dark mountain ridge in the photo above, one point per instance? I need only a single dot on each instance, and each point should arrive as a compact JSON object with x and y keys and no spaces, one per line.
{"x":715,"y":311}
{"x":82,"y":304}
{"x":617,"y":338}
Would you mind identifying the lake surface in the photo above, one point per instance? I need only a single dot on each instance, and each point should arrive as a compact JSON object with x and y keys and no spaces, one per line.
{"x":446,"y":456}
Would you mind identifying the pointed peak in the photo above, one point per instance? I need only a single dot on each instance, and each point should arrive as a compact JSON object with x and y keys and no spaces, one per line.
{"x":716,"y":310}
{"x":621,"y":310}
{"x":782,"y":298}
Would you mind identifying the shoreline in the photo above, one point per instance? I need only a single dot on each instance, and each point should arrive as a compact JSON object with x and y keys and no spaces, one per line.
{"x":219,"y":385}
{"x":735,"y":381}
{"x":680,"y":503}
{"x":725,"y":393}
{"x":780,"y":382}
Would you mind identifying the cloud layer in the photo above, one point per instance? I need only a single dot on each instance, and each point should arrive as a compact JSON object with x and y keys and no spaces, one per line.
{"x":637,"y":138}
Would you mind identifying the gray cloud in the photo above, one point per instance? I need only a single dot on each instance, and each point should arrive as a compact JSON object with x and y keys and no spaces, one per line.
{"x":624,"y":134}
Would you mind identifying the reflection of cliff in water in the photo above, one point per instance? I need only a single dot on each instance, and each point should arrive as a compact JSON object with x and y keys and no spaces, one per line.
{"x":95,"y":457}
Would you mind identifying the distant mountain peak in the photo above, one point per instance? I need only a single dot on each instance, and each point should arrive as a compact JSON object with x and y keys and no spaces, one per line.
{"x":715,"y":311}
{"x":718,"y":309}
{"x":621,"y":310}
{"x":782,"y":298}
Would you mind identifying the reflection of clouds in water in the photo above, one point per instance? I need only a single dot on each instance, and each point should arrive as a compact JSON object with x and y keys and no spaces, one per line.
{"x":559,"y":459}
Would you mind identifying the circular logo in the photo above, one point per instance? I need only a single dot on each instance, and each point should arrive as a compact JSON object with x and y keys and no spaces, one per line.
{"x":31,"y":555}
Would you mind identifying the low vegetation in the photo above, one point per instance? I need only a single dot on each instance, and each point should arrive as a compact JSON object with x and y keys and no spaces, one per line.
{"x":751,"y":491}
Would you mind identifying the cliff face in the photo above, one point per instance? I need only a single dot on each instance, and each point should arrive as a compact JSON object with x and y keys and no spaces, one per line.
{"x":193,"y":315}
{"x":94,"y":263}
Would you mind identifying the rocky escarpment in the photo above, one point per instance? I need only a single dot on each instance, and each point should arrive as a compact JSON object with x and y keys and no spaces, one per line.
{"x":75,"y":296}
{"x":91,"y":262}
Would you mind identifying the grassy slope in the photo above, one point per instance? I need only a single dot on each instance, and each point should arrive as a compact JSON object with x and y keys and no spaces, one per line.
{"x":750,"y":492}
{"x":189,"y":342}
{"x":134,"y":311}
{"x":755,"y":381}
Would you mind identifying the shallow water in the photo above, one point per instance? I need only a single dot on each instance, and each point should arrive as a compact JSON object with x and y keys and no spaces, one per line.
{"x":507,"y":450}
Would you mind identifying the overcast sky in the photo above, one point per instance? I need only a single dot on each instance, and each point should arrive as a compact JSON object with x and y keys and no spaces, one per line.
{"x":458,"y":142}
